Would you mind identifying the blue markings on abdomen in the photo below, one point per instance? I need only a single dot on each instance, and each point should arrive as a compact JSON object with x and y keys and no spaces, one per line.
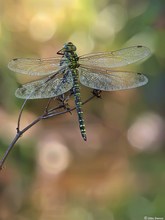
{"x":78,"y":103}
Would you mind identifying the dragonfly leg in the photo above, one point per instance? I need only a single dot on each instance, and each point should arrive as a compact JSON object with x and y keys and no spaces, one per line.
{"x":60,"y":52}
{"x":97,"y":93}
{"x":47,"y":106}
{"x":64,"y":101}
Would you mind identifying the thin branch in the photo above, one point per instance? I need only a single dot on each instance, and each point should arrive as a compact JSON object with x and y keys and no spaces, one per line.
{"x":20,"y":115}
{"x":53,"y":112}
{"x":48,"y":113}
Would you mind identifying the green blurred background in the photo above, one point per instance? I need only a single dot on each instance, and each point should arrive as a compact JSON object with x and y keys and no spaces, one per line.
{"x":119,"y":173}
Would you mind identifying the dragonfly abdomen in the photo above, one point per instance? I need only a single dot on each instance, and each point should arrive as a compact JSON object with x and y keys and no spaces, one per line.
{"x":78,"y":103}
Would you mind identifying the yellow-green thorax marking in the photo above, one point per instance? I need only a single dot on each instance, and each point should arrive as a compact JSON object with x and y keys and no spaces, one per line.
{"x":71,"y":59}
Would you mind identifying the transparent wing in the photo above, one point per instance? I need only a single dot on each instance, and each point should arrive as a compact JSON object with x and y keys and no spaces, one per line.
{"x":114,"y":59}
{"x":110,"y":81}
{"x":34,"y":67}
{"x":46,"y":88}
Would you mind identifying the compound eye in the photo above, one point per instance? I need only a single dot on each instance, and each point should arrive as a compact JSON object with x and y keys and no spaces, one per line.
{"x":72,"y":46}
{"x":69,"y":47}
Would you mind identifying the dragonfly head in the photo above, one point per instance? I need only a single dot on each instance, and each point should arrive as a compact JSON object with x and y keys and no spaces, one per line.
{"x":69,"y":47}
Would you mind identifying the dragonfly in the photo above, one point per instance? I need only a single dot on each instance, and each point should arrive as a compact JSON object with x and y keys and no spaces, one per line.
{"x":99,"y":71}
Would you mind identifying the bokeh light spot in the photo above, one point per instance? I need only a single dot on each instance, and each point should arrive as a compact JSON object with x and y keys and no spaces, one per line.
{"x":54,"y":157}
{"x":84,"y":42}
{"x":110,"y":20}
{"x":42,"y":27}
{"x":146,"y":132}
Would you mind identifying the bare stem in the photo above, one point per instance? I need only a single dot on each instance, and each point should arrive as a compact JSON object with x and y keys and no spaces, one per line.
{"x":48,"y":113}
{"x":16,"y":138}
{"x":20,"y":115}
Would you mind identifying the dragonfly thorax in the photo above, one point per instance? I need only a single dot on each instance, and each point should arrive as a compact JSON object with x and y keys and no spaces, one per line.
{"x":69,"y":55}
{"x":71,"y":59}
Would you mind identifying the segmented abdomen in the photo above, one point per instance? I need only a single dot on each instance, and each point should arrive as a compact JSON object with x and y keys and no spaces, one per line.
{"x":78,"y":103}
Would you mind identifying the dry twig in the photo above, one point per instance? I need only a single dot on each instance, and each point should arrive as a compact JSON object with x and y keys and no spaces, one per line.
{"x":61,"y":108}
